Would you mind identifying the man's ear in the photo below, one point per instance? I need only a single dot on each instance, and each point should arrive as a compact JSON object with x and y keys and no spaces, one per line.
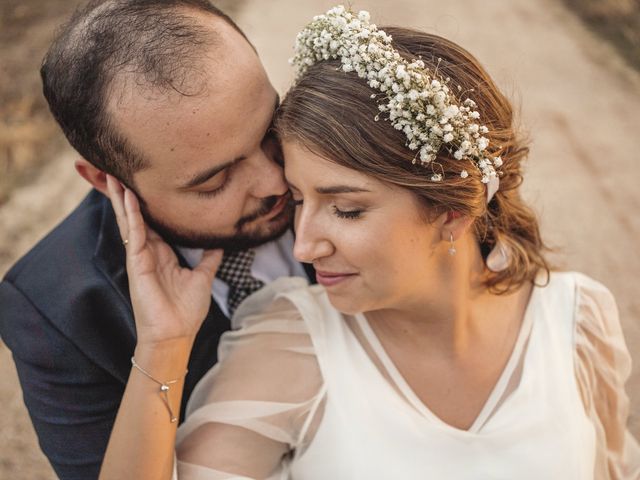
{"x":453,"y":224}
{"x":96,"y":177}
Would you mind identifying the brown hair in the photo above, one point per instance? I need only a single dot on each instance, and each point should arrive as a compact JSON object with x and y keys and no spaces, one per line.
{"x":331,"y":113}
{"x":159,"y":40}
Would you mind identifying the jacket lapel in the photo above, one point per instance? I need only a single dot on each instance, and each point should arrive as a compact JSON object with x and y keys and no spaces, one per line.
{"x":110,"y":258}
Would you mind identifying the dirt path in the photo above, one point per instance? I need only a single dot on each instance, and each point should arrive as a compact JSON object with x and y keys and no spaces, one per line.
{"x":578,"y":100}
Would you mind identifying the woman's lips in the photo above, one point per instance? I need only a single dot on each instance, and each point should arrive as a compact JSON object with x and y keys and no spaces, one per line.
{"x":328,"y":279}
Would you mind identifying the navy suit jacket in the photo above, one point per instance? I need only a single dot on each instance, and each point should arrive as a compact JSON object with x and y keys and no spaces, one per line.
{"x":66,"y":316}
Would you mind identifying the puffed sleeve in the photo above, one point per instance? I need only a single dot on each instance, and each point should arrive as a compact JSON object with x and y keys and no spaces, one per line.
{"x":258,"y":406}
{"x":603,"y":365}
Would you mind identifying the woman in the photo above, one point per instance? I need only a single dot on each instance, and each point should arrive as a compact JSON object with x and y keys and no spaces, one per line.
{"x":438,"y":343}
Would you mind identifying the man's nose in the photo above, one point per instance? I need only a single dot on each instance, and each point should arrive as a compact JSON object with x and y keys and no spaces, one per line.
{"x":268,"y":176}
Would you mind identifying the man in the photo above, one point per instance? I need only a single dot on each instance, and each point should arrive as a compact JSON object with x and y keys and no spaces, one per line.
{"x":169,"y":97}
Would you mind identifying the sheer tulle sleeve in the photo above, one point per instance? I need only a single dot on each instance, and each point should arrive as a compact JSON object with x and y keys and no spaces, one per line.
{"x":257,"y":407}
{"x":603,"y":366}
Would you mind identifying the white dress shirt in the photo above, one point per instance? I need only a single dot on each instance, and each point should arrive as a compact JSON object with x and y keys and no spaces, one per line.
{"x":272,"y":261}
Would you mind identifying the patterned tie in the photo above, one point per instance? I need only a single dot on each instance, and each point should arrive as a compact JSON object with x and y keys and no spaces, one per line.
{"x":235,"y":270}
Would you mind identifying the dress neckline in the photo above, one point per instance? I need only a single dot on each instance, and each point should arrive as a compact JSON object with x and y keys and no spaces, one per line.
{"x":490,"y":406}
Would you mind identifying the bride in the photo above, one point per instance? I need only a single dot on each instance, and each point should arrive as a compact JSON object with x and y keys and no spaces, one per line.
{"x":437,"y":344}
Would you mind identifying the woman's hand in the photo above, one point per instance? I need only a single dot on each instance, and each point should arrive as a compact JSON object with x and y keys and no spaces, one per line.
{"x":169,"y":302}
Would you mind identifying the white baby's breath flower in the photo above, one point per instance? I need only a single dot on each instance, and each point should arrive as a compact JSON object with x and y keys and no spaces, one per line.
{"x":364,"y":16}
{"x":421,"y":106}
{"x":464,"y":174}
{"x":451,"y":111}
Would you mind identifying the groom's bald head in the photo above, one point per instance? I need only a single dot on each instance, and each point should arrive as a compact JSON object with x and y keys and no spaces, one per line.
{"x":159,"y":45}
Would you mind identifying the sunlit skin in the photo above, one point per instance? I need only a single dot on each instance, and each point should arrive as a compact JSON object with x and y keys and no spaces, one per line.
{"x":211,"y":176}
{"x":376,"y":251}
{"x":369,"y":241}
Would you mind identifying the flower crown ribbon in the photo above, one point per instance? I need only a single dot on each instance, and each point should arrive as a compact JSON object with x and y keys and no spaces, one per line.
{"x":413,"y":99}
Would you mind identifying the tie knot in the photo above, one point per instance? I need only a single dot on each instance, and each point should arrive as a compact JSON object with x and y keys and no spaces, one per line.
{"x":235,"y":270}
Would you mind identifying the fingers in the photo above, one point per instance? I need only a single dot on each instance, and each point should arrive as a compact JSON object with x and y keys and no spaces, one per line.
{"x":135,"y":224}
{"x":210,"y":262}
{"x":116,"y":195}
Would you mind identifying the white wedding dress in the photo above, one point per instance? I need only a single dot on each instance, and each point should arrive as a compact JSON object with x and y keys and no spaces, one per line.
{"x":299,"y":378}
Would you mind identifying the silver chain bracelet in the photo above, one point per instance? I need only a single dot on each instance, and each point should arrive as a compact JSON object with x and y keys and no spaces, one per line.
{"x":164,"y":388}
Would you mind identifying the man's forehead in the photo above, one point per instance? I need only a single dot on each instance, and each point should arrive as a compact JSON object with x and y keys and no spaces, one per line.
{"x":217,"y":77}
{"x":201,"y":133}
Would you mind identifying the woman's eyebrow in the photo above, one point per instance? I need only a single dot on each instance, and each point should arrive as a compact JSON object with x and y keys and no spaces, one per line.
{"x":333,"y":190}
{"x":340,"y":189}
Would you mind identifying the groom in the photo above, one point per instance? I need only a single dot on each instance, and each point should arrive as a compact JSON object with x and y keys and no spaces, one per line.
{"x":169,"y":97}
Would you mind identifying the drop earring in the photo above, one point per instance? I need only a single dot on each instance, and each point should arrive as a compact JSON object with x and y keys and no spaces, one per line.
{"x":452,"y":248}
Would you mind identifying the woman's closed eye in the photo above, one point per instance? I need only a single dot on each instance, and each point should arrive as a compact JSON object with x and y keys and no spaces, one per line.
{"x":350,"y":214}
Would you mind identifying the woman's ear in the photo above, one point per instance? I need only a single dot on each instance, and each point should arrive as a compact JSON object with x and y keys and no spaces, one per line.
{"x":96,"y":177}
{"x":453,"y":225}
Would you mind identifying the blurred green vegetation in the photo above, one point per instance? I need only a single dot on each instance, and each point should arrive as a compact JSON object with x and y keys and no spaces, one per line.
{"x":617,"y":21}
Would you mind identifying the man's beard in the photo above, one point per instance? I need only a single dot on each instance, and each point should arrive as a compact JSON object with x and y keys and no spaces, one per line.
{"x":270,"y":230}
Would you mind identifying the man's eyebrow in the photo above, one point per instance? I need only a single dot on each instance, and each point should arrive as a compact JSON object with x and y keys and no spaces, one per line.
{"x":202,"y":177}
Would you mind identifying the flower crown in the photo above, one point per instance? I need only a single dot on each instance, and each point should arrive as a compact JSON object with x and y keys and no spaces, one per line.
{"x":414,"y":99}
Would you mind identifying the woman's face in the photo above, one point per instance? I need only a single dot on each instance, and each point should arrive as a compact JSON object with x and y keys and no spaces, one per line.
{"x":368,"y":240}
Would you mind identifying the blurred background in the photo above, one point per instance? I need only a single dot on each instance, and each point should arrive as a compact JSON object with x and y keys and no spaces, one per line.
{"x":571,"y":67}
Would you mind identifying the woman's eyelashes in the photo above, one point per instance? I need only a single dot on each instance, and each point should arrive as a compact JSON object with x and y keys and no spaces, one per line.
{"x":349,"y":214}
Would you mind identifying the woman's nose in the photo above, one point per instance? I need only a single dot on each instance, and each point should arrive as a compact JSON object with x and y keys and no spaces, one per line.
{"x":312,"y":242}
